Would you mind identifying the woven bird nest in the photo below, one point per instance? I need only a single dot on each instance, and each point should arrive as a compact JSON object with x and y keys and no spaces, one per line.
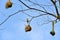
{"x":27,"y":28}
{"x":52,"y":33}
{"x":8,"y":4}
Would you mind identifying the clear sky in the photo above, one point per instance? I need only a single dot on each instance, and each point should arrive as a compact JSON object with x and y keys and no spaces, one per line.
{"x":13,"y":28}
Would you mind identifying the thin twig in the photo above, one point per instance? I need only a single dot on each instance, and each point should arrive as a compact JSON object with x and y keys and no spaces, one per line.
{"x":37,"y":5}
{"x":12,"y":15}
{"x":47,"y":22}
{"x":36,"y":17}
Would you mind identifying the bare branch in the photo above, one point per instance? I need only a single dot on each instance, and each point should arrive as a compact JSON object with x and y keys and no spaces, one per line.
{"x":54,"y":3}
{"x":48,"y":22}
{"x":37,"y":5}
{"x":12,"y":15}
{"x":26,"y":14}
{"x":36,"y":17}
{"x":37,"y":9}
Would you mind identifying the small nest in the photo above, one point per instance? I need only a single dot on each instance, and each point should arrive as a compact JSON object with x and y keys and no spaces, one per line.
{"x":52,"y":33}
{"x":27,"y":28}
{"x":8,"y":4}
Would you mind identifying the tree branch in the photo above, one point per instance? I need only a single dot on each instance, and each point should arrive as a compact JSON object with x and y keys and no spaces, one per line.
{"x":12,"y":15}
{"x":37,"y":9}
{"x":54,"y":3}
{"x":37,"y":5}
{"x":36,"y":17}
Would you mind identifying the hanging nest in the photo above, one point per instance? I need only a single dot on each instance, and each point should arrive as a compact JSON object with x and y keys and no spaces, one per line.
{"x":27,"y":28}
{"x":52,"y":33}
{"x":8,"y":4}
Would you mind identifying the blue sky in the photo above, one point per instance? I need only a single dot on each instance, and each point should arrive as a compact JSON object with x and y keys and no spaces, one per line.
{"x":13,"y":28}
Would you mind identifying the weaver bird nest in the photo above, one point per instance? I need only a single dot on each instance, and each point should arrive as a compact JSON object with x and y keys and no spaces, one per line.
{"x":52,"y":33}
{"x":8,"y":4}
{"x":27,"y":28}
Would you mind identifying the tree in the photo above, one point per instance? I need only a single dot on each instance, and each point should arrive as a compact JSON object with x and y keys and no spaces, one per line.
{"x":40,"y":8}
